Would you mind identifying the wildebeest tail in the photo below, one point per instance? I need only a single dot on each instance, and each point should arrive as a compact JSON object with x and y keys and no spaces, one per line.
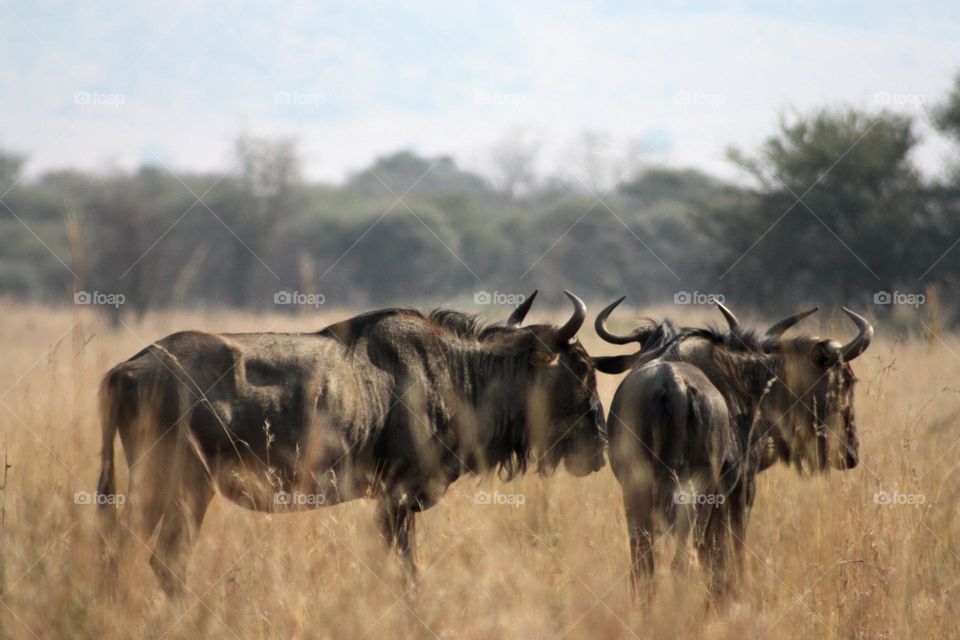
{"x":679,"y":419}
{"x":118,"y":408}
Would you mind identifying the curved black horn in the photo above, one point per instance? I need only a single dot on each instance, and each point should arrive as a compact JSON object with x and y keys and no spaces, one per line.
{"x":779,"y":328}
{"x":600,"y":325}
{"x":567,"y":331}
{"x":732,"y":321}
{"x":516,"y":318}
{"x":859,"y":344}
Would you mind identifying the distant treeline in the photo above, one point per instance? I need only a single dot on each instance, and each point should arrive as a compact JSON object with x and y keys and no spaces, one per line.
{"x":839,"y":214}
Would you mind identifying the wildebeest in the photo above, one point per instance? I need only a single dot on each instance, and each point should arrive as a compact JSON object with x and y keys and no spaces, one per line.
{"x":677,"y":460}
{"x":392,"y":405}
{"x":792,"y":397}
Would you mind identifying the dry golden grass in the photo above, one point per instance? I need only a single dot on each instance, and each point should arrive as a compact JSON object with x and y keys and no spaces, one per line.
{"x":824,"y":559}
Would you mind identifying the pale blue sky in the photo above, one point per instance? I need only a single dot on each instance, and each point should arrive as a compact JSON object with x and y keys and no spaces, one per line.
{"x":106,"y":84}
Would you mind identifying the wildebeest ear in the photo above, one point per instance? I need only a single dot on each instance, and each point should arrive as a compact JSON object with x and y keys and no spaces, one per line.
{"x":615,"y":364}
{"x":516,"y":318}
{"x":825,"y":353}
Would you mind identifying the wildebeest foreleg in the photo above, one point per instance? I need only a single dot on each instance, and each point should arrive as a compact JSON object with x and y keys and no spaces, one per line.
{"x":398,"y":528}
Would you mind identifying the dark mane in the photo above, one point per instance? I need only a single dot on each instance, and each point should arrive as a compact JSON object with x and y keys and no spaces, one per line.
{"x":462,"y":325}
{"x":739,"y":339}
{"x":664,"y":338}
{"x":741,"y":360}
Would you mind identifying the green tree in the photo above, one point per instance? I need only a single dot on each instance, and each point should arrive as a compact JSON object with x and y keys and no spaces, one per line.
{"x":838,"y":216}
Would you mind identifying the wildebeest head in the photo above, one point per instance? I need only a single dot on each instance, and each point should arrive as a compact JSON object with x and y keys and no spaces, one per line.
{"x":812,"y":404}
{"x":564,"y":416}
{"x":801,"y":388}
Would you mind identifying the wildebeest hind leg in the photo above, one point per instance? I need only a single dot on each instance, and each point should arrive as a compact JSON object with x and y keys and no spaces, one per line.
{"x":638,"y":508}
{"x":398,"y":528}
{"x":191,"y":492}
{"x":146,"y":491}
{"x":740,"y":506}
{"x":686,"y":516}
{"x":138,"y":519}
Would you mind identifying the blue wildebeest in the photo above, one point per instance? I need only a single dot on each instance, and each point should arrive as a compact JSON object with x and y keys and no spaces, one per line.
{"x":786,"y":399}
{"x":391,"y":405}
